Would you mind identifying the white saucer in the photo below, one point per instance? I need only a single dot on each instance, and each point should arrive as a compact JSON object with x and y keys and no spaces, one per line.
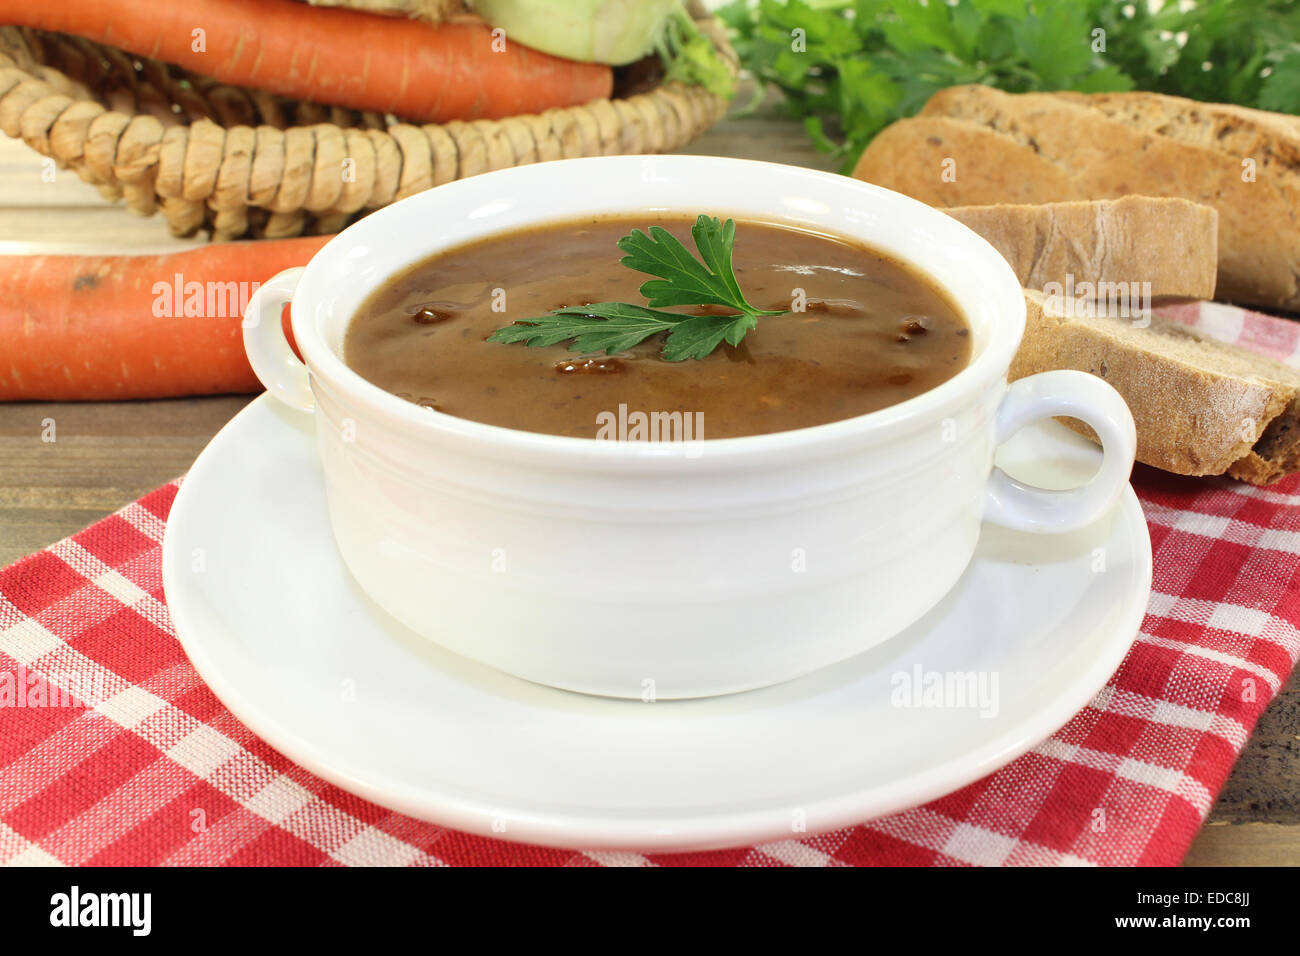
{"x":287,"y":641}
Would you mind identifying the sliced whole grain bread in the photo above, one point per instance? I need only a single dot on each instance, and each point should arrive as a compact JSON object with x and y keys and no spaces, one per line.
{"x":977,"y":145}
{"x":1169,"y":244}
{"x":1202,"y":407}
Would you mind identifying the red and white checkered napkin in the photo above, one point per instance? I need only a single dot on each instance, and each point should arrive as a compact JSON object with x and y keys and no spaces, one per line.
{"x":158,"y":771}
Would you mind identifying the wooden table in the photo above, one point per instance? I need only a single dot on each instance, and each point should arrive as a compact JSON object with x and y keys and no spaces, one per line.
{"x":108,"y":454}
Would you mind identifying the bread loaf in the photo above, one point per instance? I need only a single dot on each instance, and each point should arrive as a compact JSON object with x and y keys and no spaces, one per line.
{"x":977,"y":145}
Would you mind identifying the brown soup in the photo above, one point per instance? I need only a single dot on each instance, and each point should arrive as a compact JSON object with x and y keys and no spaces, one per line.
{"x":873,"y":332}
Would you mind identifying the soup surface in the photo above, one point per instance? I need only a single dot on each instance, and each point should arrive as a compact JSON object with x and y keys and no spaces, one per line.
{"x":872,"y":332}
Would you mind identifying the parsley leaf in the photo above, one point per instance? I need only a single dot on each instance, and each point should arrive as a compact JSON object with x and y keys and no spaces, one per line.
{"x":600,"y":327}
{"x":681,"y":279}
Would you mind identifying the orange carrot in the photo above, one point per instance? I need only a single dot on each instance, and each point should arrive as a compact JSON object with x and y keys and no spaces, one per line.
{"x":332,"y":55}
{"x":109,"y":327}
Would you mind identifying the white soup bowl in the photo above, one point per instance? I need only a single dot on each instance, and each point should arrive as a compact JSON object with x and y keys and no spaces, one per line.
{"x":652,"y":570}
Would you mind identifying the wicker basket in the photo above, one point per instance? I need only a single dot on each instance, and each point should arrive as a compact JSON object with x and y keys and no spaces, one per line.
{"x":244,"y":162}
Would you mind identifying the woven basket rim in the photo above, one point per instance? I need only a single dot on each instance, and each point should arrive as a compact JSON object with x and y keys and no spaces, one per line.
{"x":254,"y":177}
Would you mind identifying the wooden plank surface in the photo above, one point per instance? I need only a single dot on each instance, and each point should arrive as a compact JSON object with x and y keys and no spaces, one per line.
{"x":107,"y":454}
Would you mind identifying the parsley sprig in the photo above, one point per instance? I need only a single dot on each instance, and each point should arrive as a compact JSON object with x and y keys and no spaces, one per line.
{"x":681,"y":279}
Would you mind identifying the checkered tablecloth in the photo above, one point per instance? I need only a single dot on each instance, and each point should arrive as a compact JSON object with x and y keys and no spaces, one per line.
{"x":157,"y":771}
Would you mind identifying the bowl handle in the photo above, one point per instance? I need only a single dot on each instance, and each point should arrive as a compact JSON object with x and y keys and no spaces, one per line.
{"x":1070,"y":394}
{"x":273,"y":361}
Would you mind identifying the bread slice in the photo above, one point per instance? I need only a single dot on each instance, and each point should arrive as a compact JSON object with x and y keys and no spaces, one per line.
{"x":1170,"y":245}
{"x":978,"y":145}
{"x":1202,"y":407}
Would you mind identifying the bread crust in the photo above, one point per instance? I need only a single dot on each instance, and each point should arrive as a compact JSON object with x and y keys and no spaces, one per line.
{"x":1276,"y":454}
